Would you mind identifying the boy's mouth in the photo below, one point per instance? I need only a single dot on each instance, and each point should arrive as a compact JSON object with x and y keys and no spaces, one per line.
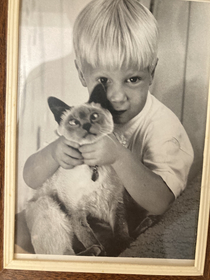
{"x":118,"y":112}
{"x":114,"y":111}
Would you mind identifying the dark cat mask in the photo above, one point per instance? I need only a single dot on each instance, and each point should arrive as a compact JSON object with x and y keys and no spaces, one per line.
{"x":97,"y":96}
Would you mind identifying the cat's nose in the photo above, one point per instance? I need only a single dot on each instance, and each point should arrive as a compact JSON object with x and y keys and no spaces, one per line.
{"x":86,"y":126}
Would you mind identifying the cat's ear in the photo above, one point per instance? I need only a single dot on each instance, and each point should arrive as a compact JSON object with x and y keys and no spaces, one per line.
{"x":57,"y":107}
{"x":98,"y":95}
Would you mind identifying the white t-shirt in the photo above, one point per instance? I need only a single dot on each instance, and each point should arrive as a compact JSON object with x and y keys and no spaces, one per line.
{"x":158,"y":138}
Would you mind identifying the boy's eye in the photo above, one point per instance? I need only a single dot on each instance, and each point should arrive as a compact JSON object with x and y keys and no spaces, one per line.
{"x":74,"y":122}
{"x":103,"y":80}
{"x":94,"y":116}
{"x":133,"y":80}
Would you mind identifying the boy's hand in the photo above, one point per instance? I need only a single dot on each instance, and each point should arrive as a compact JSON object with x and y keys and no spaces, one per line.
{"x":66,"y":153}
{"x":104,"y":151}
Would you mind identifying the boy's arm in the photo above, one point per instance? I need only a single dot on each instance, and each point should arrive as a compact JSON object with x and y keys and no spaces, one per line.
{"x":146,"y":188}
{"x":43,"y":164}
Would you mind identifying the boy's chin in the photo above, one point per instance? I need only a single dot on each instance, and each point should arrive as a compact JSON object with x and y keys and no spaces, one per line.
{"x":121,"y":118}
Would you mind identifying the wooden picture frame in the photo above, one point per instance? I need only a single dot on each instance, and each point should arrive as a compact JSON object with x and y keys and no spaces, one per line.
{"x":12,"y":268}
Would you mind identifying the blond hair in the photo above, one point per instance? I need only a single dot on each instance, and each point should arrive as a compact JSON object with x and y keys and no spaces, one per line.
{"x":115,"y":33}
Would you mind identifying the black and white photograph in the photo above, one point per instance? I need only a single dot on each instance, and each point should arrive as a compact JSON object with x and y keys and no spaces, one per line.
{"x":112,"y":100}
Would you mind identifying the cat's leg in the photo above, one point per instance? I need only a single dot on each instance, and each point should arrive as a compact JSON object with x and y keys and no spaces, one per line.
{"x":50,"y":228}
{"x":120,"y":228}
{"x":94,"y":250}
{"x":86,"y":235}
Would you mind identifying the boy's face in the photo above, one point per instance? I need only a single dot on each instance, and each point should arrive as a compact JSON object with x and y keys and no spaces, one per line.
{"x":127,"y":89}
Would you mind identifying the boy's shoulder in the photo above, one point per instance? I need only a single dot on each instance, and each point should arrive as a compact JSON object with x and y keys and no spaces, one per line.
{"x":161,"y":125}
{"x":156,"y":123}
{"x":162,"y":121}
{"x":155,"y":114}
{"x":157,"y":110}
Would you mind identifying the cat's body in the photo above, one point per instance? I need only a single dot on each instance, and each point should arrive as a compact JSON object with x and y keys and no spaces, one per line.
{"x":60,"y":208}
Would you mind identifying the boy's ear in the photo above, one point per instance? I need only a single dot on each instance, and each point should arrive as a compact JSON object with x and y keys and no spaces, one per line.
{"x":81,"y":77}
{"x":153,"y":70}
{"x":98,"y":95}
{"x":57,"y":107}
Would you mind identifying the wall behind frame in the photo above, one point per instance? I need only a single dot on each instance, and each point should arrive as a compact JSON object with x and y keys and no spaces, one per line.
{"x":182,"y":77}
{"x":47,"y":68}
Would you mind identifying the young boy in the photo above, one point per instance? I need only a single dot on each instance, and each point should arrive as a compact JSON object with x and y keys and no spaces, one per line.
{"x":115,"y":43}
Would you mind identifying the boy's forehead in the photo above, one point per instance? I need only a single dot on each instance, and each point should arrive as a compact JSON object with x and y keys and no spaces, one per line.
{"x":89,"y":69}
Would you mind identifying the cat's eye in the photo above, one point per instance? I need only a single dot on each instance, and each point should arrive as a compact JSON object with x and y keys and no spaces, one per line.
{"x":94,"y":116}
{"x":74,"y":122}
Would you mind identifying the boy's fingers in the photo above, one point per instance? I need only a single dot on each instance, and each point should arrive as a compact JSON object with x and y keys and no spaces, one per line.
{"x":73,"y":153}
{"x":72,"y":161}
{"x":87,"y":148}
{"x":71,"y":144}
{"x":89,"y":156}
{"x":90,"y":162}
{"x":66,"y":166}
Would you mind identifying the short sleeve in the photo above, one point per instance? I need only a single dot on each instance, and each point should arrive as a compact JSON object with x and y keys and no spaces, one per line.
{"x":172,"y":161}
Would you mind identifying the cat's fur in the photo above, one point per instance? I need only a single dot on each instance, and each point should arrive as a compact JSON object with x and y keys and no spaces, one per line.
{"x":59,"y":209}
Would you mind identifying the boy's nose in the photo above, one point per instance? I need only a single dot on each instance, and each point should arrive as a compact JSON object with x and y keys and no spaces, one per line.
{"x":116,"y":95}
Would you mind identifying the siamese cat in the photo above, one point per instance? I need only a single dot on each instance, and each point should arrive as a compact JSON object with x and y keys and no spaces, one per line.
{"x":59,"y":209}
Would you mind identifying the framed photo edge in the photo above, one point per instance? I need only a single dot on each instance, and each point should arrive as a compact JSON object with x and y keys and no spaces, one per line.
{"x":10,"y":260}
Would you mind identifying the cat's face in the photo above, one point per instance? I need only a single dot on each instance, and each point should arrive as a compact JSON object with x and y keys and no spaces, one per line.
{"x":85,"y":123}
